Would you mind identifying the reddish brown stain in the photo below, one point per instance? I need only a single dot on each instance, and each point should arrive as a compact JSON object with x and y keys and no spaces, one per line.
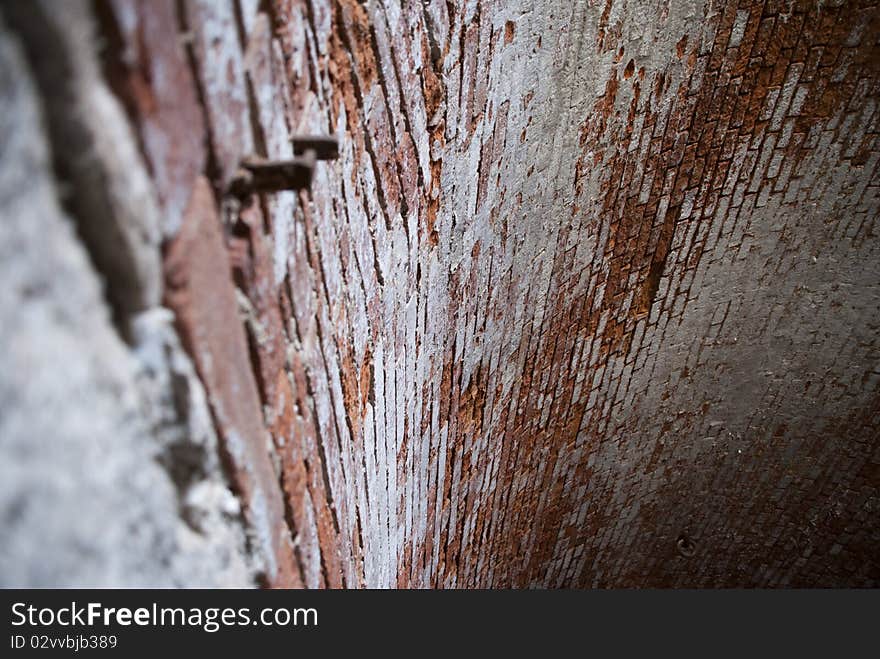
{"x":200,"y":291}
{"x":657,"y":164}
{"x":681,"y":46}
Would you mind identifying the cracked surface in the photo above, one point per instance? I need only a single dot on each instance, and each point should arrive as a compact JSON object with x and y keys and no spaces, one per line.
{"x":590,"y":298}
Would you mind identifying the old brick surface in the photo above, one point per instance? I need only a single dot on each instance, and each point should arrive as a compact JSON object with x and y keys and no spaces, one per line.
{"x":146,"y":62}
{"x":591,"y":282}
{"x":199,"y":290}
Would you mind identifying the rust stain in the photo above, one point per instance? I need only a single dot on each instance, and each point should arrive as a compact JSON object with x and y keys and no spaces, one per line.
{"x":509,"y":29}
{"x":681,"y":46}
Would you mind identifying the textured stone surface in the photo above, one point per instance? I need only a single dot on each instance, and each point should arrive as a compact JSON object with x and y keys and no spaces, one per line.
{"x":86,"y":420}
{"x":589,"y":299}
{"x":106,"y":186}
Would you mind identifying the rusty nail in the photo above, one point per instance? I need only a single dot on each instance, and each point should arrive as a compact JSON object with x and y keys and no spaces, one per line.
{"x":325,"y":147}
{"x":262,"y":175}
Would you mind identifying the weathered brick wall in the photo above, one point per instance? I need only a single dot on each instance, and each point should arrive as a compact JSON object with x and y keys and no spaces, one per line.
{"x":590,"y":297}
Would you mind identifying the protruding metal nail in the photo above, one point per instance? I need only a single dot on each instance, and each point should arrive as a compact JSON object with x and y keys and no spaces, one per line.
{"x":262,"y":175}
{"x":325,"y":147}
